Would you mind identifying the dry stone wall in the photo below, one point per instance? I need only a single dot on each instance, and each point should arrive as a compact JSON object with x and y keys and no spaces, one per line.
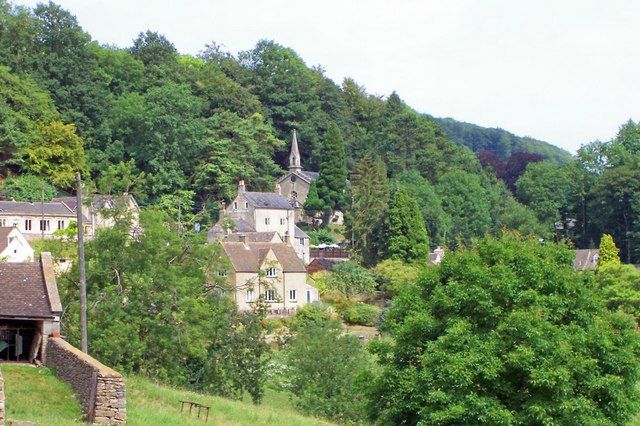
{"x":99,"y":388}
{"x":1,"y":400}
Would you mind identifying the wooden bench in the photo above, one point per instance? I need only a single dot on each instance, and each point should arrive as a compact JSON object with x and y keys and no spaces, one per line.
{"x":197,"y":405}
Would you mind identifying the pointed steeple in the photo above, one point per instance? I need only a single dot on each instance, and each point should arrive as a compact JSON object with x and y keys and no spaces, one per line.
{"x":294,"y":155}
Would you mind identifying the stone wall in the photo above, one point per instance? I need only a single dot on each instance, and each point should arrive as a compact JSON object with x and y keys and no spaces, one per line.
{"x":99,"y":388}
{"x":1,"y":400}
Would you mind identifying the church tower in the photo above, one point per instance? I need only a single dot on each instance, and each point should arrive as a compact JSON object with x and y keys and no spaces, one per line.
{"x":294,"y":155}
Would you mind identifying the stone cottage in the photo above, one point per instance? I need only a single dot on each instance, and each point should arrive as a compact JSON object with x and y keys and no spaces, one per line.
{"x":29,"y":309}
{"x":269,"y":270}
{"x":261,"y":217}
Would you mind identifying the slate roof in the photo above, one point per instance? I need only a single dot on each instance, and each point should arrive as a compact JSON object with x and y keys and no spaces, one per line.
{"x":586,"y":259}
{"x":311,"y":175}
{"x":248,"y":257}
{"x":299,"y":233}
{"x":24,"y":208}
{"x":252,"y":237}
{"x":304,"y":175}
{"x":4,"y":237}
{"x":266,"y":200}
{"x":70,"y":202}
{"x":24,"y":291}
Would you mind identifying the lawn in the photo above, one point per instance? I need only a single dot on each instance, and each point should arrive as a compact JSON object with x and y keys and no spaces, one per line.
{"x":36,"y":395}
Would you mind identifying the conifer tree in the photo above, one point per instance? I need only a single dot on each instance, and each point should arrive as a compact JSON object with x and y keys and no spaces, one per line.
{"x":313,"y":204}
{"x":407,"y":236}
{"x":332,"y":182}
{"x":609,"y":252}
{"x":370,"y":192}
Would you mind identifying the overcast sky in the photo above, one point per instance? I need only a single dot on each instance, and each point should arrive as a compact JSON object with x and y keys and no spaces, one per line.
{"x":567,"y":72}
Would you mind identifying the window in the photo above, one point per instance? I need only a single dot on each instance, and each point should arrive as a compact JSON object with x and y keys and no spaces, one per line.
{"x":294,"y":194}
{"x":267,"y":221}
{"x":221,"y":273}
{"x":27,"y":225}
{"x":45,"y":225}
{"x":3,"y":222}
{"x":292,"y":295}
{"x":235,"y":205}
{"x":249,"y":296}
{"x":301,"y":241}
{"x":308,"y":296}
{"x":282,"y":221}
{"x":61,"y":224}
{"x":270,"y":296}
{"x":246,"y":205}
{"x":272,"y":272}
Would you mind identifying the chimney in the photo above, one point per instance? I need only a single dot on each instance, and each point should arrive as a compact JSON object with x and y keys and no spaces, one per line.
{"x":286,"y":237}
{"x":241,"y":186}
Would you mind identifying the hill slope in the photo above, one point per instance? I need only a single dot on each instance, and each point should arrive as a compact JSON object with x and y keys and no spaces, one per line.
{"x":498,"y":141}
{"x":35,"y":394}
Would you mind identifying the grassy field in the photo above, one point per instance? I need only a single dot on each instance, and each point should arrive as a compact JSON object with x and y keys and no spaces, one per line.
{"x":35,"y":394}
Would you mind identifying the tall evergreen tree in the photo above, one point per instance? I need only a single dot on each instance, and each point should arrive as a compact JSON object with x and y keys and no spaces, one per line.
{"x":332,"y":182}
{"x":407,"y":236}
{"x":370,"y":194}
{"x":313,"y":204}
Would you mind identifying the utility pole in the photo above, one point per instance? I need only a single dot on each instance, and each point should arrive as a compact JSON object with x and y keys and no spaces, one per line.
{"x":42,"y":209}
{"x":83,"y":278}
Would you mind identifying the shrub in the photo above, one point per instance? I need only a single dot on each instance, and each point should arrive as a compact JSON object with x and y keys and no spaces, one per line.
{"x":362,"y":314}
{"x":316,"y":313}
{"x":319,"y":236}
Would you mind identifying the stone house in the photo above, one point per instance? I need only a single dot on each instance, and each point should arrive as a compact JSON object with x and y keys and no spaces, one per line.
{"x":271,"y":271}
{"x":13,"y":246}
{"x":261,"y":217}
{"x":29,"y":309}
{"x":105,"y":210}
{"x":35,"y":220}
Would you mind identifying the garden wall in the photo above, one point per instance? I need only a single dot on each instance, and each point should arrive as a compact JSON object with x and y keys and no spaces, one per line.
{"x":99,"y":388}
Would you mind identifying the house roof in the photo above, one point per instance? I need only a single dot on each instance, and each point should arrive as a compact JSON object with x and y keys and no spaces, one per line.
{"x":252,"y":237}
{"x":51,"y":208}
{"x":4,"y":237}
{"x":266,"y":200}
{"x":586,"y":259}
{"x":299,"y":233}
{"x":323,"y":264}
{"x":70,"y":202}
{"x":248,"y":257}
{"x":28,"y":289}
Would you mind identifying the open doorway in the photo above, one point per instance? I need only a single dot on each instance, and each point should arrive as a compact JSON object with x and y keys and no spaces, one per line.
{"x":20,"y":340}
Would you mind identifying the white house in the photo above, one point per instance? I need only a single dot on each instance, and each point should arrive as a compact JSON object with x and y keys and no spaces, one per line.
{"x":269,"y":270}
{"x":13,"y":246}
{"x":257,"y":216}
{"x":36,"y":219}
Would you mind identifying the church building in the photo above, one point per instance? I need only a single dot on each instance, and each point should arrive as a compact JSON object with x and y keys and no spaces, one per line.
{"x":294,"y":185}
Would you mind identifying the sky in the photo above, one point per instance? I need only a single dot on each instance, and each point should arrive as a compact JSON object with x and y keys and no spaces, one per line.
{"x":566,"y":72}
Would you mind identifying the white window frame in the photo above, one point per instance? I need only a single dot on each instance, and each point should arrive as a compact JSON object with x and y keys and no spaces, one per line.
{"x":293,"y":296}
{"x":272,"y":272}
{"x":61,"y":224}
{"x":3,"y":222}
{"x":267,"y":221}
{"x":249,"y":296}
{"x":271,"y":295}
{"x":282,"y":221}
{"x":309,"y":296}
{"x":27,"y":225}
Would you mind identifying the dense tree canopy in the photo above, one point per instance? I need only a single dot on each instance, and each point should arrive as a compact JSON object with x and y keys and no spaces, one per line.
{"x":506,"y":333}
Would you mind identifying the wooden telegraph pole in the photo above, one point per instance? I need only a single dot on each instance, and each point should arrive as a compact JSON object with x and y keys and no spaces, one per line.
{"x":83,"y":278}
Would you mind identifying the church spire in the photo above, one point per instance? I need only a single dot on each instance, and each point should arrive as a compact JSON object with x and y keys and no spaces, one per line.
{"x":294,"y":156}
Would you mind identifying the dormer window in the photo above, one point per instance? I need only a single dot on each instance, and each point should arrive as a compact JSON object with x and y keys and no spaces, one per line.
{"x":272,"y":272}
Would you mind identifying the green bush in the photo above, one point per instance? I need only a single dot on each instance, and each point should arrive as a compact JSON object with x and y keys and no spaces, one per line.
{"x":319,"y":236}
{"x":361,"y":314}
{"x":316,"y":313}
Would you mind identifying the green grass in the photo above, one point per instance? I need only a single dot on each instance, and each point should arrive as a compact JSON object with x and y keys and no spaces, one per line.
{"x":36,"y":395}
